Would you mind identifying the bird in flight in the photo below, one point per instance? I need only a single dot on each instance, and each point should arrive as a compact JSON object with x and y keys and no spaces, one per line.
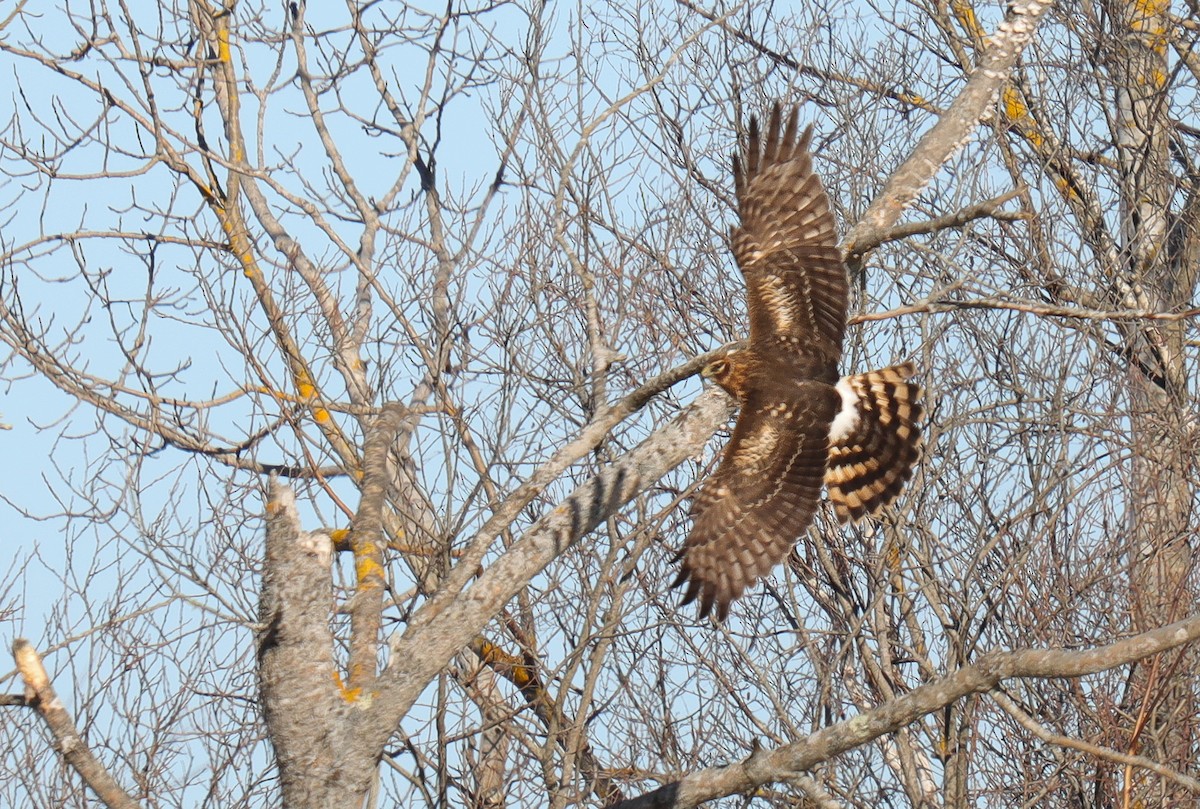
{"x":800,"y":426}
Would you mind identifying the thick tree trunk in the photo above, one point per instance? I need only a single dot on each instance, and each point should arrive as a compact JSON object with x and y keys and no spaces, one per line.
{"x":308,"y":710}
{"x":1161,"y":706}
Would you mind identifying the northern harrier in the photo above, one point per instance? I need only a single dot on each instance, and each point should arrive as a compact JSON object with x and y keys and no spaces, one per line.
{"x":799,"y":426}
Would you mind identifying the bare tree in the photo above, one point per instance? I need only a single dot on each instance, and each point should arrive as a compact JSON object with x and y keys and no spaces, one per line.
{"x":355,"y":351}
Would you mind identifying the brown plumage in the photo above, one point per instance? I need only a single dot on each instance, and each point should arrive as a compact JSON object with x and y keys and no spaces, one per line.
{"x":799,"y":426}
{"x":870,"y":462}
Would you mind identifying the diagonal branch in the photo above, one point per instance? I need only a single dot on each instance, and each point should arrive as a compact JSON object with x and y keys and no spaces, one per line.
{"x":1026,"y":721}
{"x":525,"y":678}
{"x":41,"y":696}
{"x":434,"y":637}
{"x":588,"y":439}
{"x":951,"y":131}
{"x":763,"y":767}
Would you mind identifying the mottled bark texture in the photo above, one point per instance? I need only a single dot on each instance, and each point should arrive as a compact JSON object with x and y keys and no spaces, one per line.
{"x":310,"y":715}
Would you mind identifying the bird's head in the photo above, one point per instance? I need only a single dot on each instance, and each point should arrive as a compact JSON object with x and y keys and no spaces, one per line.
{"x":730,"y":372}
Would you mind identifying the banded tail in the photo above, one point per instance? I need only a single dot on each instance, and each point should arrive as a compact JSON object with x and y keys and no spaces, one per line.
{"x":874,"y":442}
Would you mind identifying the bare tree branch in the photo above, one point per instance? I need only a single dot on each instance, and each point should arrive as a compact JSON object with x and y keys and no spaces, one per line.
{"x":764,"y":766}
{"x":953,"y":128}
{"x":1037,"y":729}
{"x":41,"y":697}
{"x":433,"y":638}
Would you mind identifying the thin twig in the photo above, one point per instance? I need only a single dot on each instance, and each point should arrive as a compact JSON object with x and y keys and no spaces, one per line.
{"x":1050,"y":737}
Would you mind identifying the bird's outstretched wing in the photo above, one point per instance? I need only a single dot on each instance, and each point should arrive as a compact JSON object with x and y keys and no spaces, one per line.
{"x":748,"y":514}
{"x":786,"y":245}
{"x":764,"y":494}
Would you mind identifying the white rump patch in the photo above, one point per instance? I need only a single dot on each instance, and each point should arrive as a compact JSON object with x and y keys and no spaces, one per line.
{"x":847,"y":418}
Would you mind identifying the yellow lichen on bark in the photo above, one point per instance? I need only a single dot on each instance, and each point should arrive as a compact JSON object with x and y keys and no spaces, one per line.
{"x":894,"y":556}
{"x":1017,"y":112}
{"x":1151,"y":8}
{"x":346,"y":693}
{"x":340,"y":537}
{"x":967,"y":19}
{"x":1149,"y":20}
{"x":520,"y":674}
{"x":1014,"y":107}
{"x":368,"y":569}
{"x":1065,"y":188}
{"x":223,"y":43}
